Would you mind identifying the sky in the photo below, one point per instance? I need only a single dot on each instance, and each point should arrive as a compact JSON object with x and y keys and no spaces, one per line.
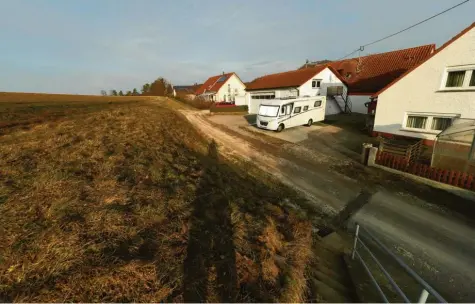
{"x":84,"y":46}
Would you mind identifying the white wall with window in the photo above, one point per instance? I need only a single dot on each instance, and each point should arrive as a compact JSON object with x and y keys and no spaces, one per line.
{"x":232,"y":91}
{"x":441,"y":88}
{"x":428,"y":122}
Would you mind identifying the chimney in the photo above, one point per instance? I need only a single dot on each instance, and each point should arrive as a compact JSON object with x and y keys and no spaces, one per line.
{"x":223,"y":72}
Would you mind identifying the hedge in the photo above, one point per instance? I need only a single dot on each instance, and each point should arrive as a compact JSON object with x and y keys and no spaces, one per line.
{"x":229,"y":109}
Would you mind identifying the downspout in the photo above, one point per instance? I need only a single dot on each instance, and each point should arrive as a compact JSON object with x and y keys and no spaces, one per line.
{"x":433,"y":150}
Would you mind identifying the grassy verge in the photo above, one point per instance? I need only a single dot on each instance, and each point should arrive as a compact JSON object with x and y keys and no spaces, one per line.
{"x":126,"y":202}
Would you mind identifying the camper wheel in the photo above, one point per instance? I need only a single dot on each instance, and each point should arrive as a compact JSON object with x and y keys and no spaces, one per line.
{"x":280,"y":128}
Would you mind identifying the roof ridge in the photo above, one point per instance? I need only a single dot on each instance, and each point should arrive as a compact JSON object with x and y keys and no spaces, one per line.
{"x":291,"y":71}
{"x":364,"y":56}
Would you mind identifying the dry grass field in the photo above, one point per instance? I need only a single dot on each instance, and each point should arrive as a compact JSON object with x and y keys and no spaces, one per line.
{"x":122,"y":200}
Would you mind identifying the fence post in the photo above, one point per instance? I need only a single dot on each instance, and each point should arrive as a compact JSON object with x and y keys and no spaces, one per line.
{"x":373,"y":155}
{"x":423,"y":297}
{"x":355,"y":242}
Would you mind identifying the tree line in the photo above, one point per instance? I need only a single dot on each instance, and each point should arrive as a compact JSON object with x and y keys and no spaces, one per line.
{"x":160,"y":87}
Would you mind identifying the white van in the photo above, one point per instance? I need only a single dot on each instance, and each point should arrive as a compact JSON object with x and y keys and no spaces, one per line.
{"x":278,"y":114}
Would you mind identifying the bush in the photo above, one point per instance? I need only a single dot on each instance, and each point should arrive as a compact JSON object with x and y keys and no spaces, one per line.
{"x":198,"y":103}
{"x":229,"y":109}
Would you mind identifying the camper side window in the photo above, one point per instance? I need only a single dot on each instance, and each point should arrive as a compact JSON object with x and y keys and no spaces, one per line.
{"x":282,"y":110}
{"x":297,"y":109}
{"x":305,"y":108}
{"x":317,"y":103}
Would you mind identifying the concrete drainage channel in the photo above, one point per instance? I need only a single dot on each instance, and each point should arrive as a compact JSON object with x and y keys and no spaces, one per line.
{"x":362,"y":275}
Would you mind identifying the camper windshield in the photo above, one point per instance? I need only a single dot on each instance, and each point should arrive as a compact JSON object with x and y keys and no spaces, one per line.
{"x":270,"y":111}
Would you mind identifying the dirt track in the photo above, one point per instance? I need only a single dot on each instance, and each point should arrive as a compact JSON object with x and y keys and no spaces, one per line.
{"x":437,"y":242}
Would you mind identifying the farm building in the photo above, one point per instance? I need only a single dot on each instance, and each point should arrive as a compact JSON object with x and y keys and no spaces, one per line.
{"x":430,"y":97}
{"x":366,"y":75}
{"x":222,"y":88}
{"x":426,"y":99}
{"x":322,"y":80}
{"x":186,"y":91}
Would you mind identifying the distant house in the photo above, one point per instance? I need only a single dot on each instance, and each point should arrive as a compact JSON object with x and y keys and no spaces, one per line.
{"x":315,"y":81}
{"x":222,"y":88}
{"x":186,"y":91}
{"x":368,"y":74}
{"x":431,"y":96}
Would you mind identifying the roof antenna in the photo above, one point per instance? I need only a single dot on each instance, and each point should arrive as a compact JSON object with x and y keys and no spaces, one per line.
{"x":358,"y":66}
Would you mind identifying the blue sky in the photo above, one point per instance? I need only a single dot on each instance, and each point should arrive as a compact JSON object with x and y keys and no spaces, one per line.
{"x":83,"y":46}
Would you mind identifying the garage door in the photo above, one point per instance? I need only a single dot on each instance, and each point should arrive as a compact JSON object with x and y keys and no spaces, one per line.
{"x":254,"y":105}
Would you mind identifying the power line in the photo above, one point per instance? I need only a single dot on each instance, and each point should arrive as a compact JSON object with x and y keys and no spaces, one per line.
{"x":361,"y":48}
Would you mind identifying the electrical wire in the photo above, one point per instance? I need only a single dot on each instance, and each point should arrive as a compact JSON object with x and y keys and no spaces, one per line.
{"x":361,"y":48}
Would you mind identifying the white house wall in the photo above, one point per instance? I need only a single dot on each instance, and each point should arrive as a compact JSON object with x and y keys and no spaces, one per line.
{"x":328,"y":79}
{"x":419,"y":91}
{"x":234,"y":83}
{"x":357,"y":103}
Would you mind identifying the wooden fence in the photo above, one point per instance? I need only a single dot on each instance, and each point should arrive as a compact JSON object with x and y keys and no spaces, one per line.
{"x":451,"y":177}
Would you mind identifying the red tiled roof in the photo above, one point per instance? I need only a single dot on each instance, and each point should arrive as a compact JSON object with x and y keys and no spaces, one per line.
{"x":432,"y":55}
{"x":286,"y":79}
{"x":371,"y":73}
{"x":212,"y":84}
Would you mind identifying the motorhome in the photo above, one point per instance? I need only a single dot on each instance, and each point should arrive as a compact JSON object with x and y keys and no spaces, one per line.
{"x":280,"y":114}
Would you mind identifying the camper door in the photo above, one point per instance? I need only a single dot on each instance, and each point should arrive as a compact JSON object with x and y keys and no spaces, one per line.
{"x":285,"y":112}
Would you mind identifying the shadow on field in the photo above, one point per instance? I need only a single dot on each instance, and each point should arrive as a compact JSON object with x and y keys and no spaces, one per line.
{"x":211,"y":261}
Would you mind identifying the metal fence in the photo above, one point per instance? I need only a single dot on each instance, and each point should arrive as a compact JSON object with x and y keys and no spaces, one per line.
{"x":361,"y":236}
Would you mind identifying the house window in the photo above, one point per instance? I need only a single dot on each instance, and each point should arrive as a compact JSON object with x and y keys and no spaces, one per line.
{"x":267,"y":96}
{"x":316,"y":83}
{"x":430,"y":122}
{"x":297,"y":109}
{"x":455,"y":79}
{"x":440,"y":123}
{"x":305,"y":108}
{"x":416,"y":122}
{"x":472,"y":79}
{"x":317,"y":103}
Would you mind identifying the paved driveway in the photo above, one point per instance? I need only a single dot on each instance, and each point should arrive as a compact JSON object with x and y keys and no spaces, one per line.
{"x":431,"y":229}
{"x":293,"y":135}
